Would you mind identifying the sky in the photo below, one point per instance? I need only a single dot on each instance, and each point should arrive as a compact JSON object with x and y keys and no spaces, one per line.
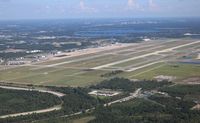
{"x":61,"y":9}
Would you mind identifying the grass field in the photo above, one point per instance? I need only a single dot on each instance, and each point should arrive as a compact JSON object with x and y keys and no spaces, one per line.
{"x":129,"y":63}
{"x":51,"y":76}
{"x":178,"y":70}
{"x":95,"y":62}
{"x":87,"y":69}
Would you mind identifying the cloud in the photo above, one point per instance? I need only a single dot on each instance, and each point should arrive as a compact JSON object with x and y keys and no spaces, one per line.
{"x":84,"y":8}
{"x":82,"y":5}
{"x":140,"y":5}
{"x":152,"y":5}
{"x":135,"y":5}
{"x":132,"y":4}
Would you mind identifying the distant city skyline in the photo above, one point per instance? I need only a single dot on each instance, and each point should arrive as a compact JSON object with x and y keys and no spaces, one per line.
{"x":61,"y":9}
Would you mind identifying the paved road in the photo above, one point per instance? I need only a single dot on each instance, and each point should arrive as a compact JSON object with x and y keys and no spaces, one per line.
{"x":132,"y":96}
{"x":58,"y":94}
{"x":57,"y":107}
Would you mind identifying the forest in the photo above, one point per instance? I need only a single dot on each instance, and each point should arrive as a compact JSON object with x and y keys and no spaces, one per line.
{"x":16,"y":101}
{"x":129,"y":85}
{"x":153,"y":110}
{"x":176,"y":107}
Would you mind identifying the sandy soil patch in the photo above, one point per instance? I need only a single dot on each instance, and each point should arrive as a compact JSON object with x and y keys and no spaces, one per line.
{"x":198,"y":57}
{"x":164,"y":78}
{"x":196,"y":107}
{"x":193,"y":80}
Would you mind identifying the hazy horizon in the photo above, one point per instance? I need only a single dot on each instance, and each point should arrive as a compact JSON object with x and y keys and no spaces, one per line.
{"x":96,"y":9}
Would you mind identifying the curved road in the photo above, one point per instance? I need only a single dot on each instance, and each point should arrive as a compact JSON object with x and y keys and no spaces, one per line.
{"x":132,"y":96}
{"x":57,"y":107}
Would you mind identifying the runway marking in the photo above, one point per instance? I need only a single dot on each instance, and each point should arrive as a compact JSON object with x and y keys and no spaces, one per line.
{"x":145,"y":55}
{"x":154,"y":68}
{"x":146,"y":65}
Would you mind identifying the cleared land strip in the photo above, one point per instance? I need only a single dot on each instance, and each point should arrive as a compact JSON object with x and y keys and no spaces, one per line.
{"x":139,"y":51}
{"x":145,"y":55}
{"x":84,"y":54}
{"x":146,"y":65}
{"x":147,"y":71}
{"x":132,"y":96}
{"x":105,"y":53}
{"x":76,"y":60}
{"x":57,"y":107}
{"x":33,"y":112}
{"x":125,"y":99}
{"x":58,"y":94}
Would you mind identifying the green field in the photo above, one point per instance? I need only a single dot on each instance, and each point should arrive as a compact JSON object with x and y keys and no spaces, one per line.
{"x":178,"y":70}
{"x":125,"y":64}
{"x":73,"y":77}
{"x":95,"y":62}
{"x":51,"y":76}
{"x":77,"y":71}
